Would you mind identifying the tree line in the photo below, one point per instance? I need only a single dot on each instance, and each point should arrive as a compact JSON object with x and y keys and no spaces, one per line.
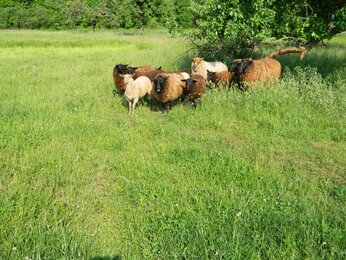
{"x":109,"y":14}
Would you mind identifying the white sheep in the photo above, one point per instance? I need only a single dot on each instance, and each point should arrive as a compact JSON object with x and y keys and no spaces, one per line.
{"x":136,"y":89}
{"x":200,"y":66}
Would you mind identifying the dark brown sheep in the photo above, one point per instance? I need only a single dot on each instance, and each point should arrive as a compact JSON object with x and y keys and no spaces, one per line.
{"x":118,"y":70}
{"x":248,"y":71}
{"x":168,"y":87}
{"x":194,"y":88}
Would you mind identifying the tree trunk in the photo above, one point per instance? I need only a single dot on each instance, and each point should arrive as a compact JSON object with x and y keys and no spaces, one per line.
{"x":302,"y":49}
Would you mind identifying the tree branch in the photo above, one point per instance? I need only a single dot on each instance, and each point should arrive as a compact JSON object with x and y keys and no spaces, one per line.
{"x":302,"y":49}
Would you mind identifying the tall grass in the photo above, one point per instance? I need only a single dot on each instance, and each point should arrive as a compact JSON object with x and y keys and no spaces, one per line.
{"x":245,"y":175}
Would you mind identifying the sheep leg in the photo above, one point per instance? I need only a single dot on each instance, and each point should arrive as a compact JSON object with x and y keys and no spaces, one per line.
{"x":134,"y":105}
{"x":130,"y":108}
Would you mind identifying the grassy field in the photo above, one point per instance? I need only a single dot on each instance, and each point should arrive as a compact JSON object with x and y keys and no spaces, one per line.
{"x":246,"y":175}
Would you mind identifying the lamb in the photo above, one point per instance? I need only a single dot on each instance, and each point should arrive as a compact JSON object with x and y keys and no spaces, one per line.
{"x":220,"y":78}
{"x":199,"y":66}
{"x":248,"y":71}
{"x":118,"y":70}
{"x":194,"y":88}
{"x":135,"y":89}
{"x":168,"y":87}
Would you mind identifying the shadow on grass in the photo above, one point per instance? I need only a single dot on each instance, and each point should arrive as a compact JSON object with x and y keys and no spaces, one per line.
{"x":116,"y":257}
{"x":328,"y":60}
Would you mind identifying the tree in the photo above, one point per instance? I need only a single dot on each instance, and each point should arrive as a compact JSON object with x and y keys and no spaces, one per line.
{"x":229,"y":28}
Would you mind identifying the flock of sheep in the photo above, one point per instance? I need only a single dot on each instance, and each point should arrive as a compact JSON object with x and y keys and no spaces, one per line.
{"x":168,"y":87}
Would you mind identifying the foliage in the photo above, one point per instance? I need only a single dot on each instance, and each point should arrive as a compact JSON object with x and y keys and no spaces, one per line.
{"x":227,"y":28}
{"x":111,"y":14}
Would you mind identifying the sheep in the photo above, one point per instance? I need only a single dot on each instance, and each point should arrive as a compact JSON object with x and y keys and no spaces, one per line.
{"x":199,"y":66}
{"x":118,"y":70}
{"x":168,"y":88}
{"x":220,"y":78}
{"x":248,"y":71}
{"x":135,"y":89}
{"x":194,"y":88}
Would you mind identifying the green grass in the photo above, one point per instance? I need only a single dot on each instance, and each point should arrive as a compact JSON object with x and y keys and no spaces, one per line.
{"x":245,"y":175}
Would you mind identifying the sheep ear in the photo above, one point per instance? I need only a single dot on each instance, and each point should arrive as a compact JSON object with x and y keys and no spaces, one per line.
{"x":159,"y":68}
{"x":194,"y":81}
{"x":164,"y":78}
{"x":183,"y":80}
{"x":134,"y":68}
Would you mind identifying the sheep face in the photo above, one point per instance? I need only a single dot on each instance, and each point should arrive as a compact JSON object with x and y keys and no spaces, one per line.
{"x":127,"y":78}
{"x":235,"y":65}
{"x":159,"y":83}
{"x":121,"y":68}
{"x":188,"y":84}
{"x":211,"y":76}
{"x":195,"y":63}
{"x":245,"y":63}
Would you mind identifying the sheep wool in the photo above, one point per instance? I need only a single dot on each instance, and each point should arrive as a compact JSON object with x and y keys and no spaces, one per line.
{"x":118,"y":80}
{"x":136,"y":89}
{"x":249,"y":71}
{"x":220,"y":78}
{"x":168,"y":87}
{"x":199,"y":66}
{"x":194,"y":88}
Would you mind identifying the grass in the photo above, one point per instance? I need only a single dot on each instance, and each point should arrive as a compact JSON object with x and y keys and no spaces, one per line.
{"x":245,"y":175}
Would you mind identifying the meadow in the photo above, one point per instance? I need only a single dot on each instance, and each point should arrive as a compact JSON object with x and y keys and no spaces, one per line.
{"x":253,"y":175}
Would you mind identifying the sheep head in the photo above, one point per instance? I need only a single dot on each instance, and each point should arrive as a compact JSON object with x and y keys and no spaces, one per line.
{"x":195,"y":63}
{"x":121,"y":68}
{"x":211,"y":76}
{"x":130,"y":70}
{"x":188,"y":84}
{"x":235,"y":65}
{"x":159,"y":83}
{"x":245,"y":63}
{"x":127,"y":77}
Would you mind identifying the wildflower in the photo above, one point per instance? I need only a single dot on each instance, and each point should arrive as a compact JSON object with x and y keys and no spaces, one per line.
{"x":14,"y":248}
{"x":239,"y":214}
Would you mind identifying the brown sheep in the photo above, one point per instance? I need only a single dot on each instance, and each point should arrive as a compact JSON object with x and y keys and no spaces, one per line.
{"x":194,"y":88}
{"x":168,"y":87}
{"x":151,"y":74}
{"x":248,"y":71}
{"x":118,"y":70}
{"x":220,"y":78}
